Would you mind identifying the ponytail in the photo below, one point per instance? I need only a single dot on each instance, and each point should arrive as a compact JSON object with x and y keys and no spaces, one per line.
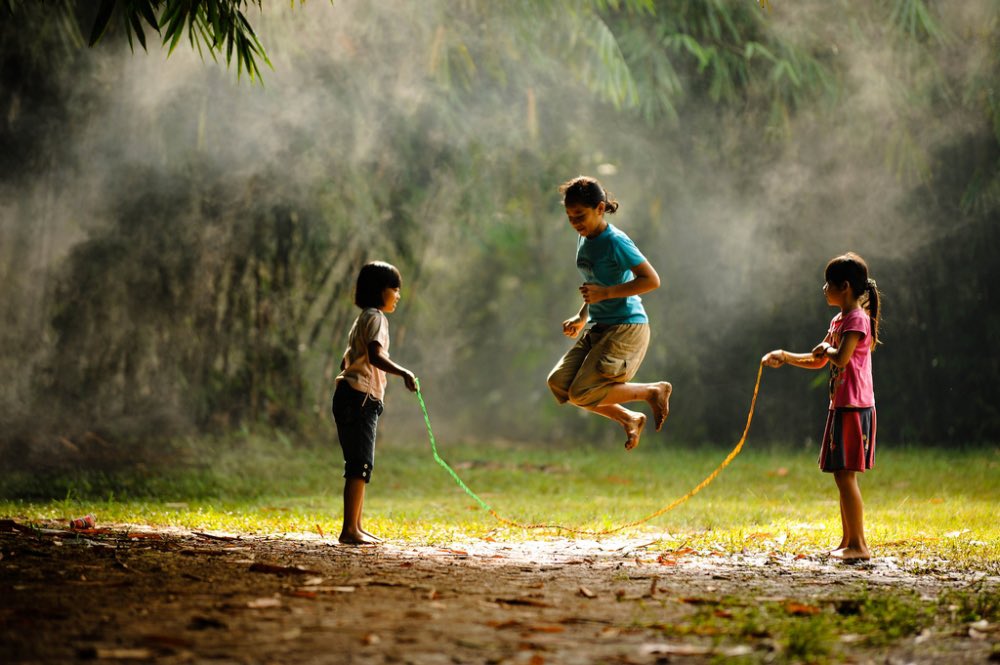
{"x":872,"y":305}
{"x":589,"y":192}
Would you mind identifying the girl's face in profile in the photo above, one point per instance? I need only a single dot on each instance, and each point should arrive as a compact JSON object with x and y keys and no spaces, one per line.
{"x":588,"y":222}
{"x":390,"y":298}
{"x":835,"y":294}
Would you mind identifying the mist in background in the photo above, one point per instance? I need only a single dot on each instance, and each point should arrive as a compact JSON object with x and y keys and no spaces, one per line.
{"x":178,"y":249}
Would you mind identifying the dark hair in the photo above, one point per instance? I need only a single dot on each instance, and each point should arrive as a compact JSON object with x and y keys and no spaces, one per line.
{"x":852,"y":269}
{"x":586,"y":191}
{"x":373,"y":279}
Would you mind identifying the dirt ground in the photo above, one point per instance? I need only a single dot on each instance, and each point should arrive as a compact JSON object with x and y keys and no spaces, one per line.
{"x":131,"y":594}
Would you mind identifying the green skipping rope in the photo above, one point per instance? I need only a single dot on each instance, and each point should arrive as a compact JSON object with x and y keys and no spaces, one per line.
{"x":437,"y":458}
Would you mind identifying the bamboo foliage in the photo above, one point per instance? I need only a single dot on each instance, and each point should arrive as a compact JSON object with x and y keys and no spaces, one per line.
{"x":216,"y":281}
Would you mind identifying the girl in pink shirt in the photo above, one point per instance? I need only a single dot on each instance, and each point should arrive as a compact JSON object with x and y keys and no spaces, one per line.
{"x":848,"y":446}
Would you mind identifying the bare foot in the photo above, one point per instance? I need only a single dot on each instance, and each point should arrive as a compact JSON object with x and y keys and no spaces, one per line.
{"x":850,"y":555}
{"x":356,"y":538}
{"x":660,"y":402}
{"x":634,"y":431}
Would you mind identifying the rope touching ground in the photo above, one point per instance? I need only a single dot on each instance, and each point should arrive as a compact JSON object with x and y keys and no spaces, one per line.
{"x":667,"y":508}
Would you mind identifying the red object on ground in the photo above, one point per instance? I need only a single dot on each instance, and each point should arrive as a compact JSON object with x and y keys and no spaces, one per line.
{"x":85,"y":522}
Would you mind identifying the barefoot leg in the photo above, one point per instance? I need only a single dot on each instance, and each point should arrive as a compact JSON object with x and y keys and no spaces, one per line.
{"x":659,"y":401}
{"x":657,"y":395}
{"x":354,"y":501}
{"x":856,"y":548}
{"x":633,"y":432}
{"x":632,"y":421}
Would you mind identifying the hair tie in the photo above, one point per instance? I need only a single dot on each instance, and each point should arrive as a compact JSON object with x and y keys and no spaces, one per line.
{"x":871,"y":284}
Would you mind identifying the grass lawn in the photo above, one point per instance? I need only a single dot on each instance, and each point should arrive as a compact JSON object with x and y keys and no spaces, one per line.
{"x":926,"y":507}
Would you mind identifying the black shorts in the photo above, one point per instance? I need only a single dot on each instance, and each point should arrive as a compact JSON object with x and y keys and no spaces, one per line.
{"x":356,"y":415}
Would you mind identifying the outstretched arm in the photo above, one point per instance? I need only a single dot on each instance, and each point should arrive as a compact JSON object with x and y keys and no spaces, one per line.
{"x":379,"y":358}
{"x":813,"y":360}
{"x":780,"y":357}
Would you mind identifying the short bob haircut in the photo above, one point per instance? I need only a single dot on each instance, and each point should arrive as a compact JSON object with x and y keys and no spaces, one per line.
{"x":373,"y":279}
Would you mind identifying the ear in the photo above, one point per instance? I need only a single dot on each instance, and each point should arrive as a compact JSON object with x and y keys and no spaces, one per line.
{"x":600,"y":208}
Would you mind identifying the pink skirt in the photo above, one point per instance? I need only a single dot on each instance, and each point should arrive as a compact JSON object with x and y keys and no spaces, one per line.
{"x":848,"y":440}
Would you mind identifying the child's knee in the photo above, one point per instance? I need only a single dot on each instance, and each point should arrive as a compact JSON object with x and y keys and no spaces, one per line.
{"x":583,"y":395}
{"x":558,"y":389}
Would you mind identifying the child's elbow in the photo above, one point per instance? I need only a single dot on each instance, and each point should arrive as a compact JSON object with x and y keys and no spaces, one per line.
{"x":840,"y":362}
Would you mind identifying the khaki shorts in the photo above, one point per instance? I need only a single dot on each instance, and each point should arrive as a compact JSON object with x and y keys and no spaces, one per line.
{"x":605,"y":355}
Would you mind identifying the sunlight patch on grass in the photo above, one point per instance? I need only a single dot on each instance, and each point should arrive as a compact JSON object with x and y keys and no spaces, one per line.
{"x":933,"y":508}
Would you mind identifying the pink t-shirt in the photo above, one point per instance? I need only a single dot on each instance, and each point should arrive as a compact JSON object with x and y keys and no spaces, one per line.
{"x":852,"y":385}
{"x":370,"y":326}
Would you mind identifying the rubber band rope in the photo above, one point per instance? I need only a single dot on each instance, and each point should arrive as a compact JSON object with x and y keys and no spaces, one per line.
{"x":541,"y":525}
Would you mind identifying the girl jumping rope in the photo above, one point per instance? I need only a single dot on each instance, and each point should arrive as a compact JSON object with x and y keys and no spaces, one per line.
{"x":848,"y":446}
{"x":594,"y":374}
{"x":357,"y":399}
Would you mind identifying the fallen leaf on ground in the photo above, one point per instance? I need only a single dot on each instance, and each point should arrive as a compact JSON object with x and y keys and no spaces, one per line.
{"x":798,"y":609}
{"x":501,"y":625}
{"x":448,"y":550}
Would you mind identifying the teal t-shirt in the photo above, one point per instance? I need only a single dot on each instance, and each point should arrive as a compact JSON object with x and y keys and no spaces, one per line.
{"x":608,"y":260}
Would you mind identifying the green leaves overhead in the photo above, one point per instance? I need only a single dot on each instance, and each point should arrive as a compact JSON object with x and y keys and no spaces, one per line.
{"x":212,"y":24}
{"x":724,"y":50}
{"x":637,"y":55}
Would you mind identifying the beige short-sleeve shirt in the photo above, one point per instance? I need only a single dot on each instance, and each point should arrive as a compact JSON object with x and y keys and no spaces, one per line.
{"x":370,"y":326}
